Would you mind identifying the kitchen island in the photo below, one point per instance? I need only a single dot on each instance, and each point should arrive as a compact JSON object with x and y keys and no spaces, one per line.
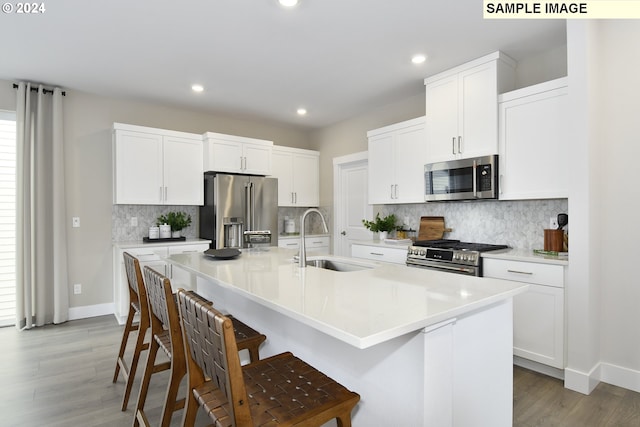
{"x":421,"y":347}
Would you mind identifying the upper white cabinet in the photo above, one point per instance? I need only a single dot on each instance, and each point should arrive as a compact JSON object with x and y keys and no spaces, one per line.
{"x":534,"y":152}
{"x":156,"y":166}
{"x":397,"y":154}
{"x":298,"y":173}
{"x":237,"y":154}
{"x":462,"y":107}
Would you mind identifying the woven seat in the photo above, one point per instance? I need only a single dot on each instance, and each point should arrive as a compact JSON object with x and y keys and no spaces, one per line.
{"x":167,"y":335}
{"x":279,"y":390}
{"x":137,"y":293}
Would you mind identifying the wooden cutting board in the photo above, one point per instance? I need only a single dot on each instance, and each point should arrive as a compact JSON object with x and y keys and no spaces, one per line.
{"x":432,"y":228}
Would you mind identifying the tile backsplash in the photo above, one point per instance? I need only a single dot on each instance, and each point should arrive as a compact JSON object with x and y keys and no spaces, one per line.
{"x":123,"y":231}
{"x":519,"y":224}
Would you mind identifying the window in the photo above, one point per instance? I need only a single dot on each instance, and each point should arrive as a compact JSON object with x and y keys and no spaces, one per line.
{"x":7,"y":218}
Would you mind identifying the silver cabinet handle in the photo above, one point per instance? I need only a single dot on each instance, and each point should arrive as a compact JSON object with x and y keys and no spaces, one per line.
{"x":500,"y":178}
{"x":292,"y":201}
{"x":376,"y":253}
{"x":165,"y":194}
{"x":291,"y":244}
{"x":453,"y":145}
{"x":295,"y":198}
{"x":529,"y":273}
{"x":391,"y":192}
{"x":396,"y":191}
{"x":459,"y":144}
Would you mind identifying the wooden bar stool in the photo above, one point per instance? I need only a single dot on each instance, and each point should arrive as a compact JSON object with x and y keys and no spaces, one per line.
{"x":279,"y":390}
{"x":166,"y":334}
{"x":137,"y":305}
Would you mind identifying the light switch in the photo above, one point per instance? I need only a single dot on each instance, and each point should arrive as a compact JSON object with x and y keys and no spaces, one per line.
{"x":75,"y":221}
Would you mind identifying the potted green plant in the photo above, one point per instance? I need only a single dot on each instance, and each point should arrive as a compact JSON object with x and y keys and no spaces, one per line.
{"x":177,"y":220}
{"x":381,"y":225}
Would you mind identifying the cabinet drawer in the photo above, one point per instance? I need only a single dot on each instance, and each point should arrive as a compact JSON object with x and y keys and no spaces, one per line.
{"x":528,"y":272}
{"x":289,"y":243}
{"x":379,"y":253}
{"x":182,"y":249}
{"x":152,"y":253}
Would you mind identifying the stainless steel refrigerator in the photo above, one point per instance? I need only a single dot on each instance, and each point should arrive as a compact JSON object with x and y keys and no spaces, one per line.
{"x":239,"y":211}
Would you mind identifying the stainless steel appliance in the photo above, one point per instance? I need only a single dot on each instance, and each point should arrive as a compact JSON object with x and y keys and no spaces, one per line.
{"x":452,"y":256}
{"x":464,"y":179}
{"x":239,"y":211}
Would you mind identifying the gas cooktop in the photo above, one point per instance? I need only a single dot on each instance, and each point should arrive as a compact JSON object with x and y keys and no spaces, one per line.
{"x":457,"y":245}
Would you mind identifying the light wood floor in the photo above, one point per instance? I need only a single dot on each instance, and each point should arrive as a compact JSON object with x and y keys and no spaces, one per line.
{"x":61,"y":376}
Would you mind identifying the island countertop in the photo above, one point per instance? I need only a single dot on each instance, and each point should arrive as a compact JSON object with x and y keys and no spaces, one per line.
{"x":362,"y":308}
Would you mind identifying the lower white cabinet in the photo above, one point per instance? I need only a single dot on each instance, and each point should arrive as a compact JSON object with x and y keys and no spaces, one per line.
{"x":380,"y":253}
{"x":315,"y":245}
{"x":538,"y":314}
{"x":151,"y":255}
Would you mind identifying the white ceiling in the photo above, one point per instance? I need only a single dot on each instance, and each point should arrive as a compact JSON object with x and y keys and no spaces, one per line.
{"x":255,"y":59}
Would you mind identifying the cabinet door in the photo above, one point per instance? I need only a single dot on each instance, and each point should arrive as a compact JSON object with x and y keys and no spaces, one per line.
{"x":183,"y":169}
{"x":257,"y":159}
{"x":410,"y":157}
{"x":478,"y":111}
{"x":381,"y":169}
{"x":137,"y":168}
{"x":538,"y":325}
{"x":442,"y":119}
{"x":224,"y":156}
{"x":282,"y":168}
{"x":181,"y":278}
{"x":534,"y":153}
{"x":306,"y":180}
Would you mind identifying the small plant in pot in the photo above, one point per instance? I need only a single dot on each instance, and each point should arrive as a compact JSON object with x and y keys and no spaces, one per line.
{"x":176,"y":220}
{"x":381,"y":225}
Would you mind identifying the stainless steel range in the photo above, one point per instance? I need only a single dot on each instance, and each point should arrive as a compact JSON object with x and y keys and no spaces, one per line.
{"x":452,"y":256}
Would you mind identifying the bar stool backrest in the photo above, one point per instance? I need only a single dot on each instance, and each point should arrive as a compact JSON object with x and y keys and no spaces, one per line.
{"x":212,"y":346}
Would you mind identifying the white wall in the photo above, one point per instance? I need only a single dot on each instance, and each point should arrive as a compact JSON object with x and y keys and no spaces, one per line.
{"x":616,"y":172}
{"x":87,"y":128}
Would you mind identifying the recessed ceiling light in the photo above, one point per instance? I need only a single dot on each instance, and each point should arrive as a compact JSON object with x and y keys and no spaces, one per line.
{"x":288,"y":3}
{"x":197,"y":88}
{"x":418,"y":59}
{"x":301,"y":111}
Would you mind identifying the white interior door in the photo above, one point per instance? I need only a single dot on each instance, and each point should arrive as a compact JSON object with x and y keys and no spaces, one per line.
{"x":350,"y":201}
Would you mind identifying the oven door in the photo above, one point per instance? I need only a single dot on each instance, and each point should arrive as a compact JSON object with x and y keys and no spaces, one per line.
{"x":464,"y":179}
{"x":444,"y":266}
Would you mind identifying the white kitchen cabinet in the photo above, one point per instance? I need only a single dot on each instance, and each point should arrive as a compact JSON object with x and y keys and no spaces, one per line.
{"x":152,"y":255}
{"x":462,"y":108}
{"x":538,"y":314}
{"x":534,"y":149}
{"x":237,"y":154}
{"x":298,"y":173}
{"x":396,"y":255}
{"x":315,"y":245}
{"x":397,"y":154}
{"x":156,"y":167}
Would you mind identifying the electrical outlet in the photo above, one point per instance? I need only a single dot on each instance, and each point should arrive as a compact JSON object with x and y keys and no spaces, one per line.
{"x":77,"y":289}
{"x":553,"y":223}
{"x":75,"y":221}
{"x":134,"y":221}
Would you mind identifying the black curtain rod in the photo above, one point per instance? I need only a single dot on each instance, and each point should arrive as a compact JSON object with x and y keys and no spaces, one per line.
{"x":45,"y":91}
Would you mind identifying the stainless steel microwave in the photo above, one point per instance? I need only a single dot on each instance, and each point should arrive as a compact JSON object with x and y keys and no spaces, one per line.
{"x":463,"y":179}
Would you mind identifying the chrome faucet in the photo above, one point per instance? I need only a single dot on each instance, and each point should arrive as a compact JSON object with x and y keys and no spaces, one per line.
{"x":302,"y":259}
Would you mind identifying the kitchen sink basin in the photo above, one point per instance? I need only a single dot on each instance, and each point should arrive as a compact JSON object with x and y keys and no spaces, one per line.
{"x":337,"y":265}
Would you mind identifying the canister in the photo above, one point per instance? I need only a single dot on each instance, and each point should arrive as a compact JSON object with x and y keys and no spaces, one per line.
{"x":165,"y":231}
{"x":154,"y":232}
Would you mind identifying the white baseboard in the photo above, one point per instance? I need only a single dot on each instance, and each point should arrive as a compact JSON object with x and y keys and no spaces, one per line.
{"x":87,"y":311}
{"x":582,"y":382}
{"x":620,"y":377}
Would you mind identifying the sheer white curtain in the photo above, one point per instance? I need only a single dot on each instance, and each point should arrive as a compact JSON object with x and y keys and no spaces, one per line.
{"x":41,"y":259}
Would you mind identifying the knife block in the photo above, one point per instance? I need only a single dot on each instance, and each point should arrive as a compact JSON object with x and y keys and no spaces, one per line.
{"x":553,"y":240}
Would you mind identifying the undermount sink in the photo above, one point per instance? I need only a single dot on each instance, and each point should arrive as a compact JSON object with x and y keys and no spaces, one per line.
{"x":337,"y":265}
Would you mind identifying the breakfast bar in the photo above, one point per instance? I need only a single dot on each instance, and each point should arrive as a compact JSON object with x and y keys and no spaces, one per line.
{"x":421,"y":347}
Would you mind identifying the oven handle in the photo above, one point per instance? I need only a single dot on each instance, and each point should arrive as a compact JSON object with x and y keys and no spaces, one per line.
{"x":467,"y":270}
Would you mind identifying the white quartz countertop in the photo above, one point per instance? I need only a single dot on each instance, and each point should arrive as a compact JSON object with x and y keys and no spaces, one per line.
{"x":140,"y":243}
{"x":362,"y":308}
{"x":526,"y":255}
